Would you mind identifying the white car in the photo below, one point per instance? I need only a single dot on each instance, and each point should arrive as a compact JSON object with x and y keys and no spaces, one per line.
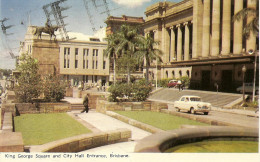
{"x":248,"y":88}
{"x":192,"y":104}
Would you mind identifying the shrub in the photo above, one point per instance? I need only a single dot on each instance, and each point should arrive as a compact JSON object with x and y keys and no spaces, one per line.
{"x":28,"y":87}
{"x":137,"y":91}
{"x":185,"y":80}
{"x":163,"y":82}
{"x":141,"y":91}
{"x":54,"y":89}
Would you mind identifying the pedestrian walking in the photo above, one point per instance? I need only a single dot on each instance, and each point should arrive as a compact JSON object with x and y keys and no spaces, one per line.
{"x":179,"y":85}
{"x":85,"y":103}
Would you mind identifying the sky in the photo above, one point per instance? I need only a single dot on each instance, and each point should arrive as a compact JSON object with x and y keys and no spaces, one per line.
{"x":21,"y":13}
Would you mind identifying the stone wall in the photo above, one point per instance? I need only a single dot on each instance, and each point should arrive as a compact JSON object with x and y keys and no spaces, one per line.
{"x":10,"y":141}
{"x":103,"y":106}
{"x":69,"y":92}
{"x":84,"y":141}
{"x":29,"y":108}
{"x":162,"y":141}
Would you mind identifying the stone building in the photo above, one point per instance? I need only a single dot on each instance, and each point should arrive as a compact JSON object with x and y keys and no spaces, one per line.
{"x":77,"y":61}
{"x":84,"y":62}
{"x":46,"y":51}
{"x":200,"y":40}
{"x":114,"y":23}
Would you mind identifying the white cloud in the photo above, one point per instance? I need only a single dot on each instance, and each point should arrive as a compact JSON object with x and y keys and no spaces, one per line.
{"x":131,"y":3}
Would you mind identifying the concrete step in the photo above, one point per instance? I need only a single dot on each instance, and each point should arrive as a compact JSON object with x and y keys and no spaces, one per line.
{"x":77,"y":106}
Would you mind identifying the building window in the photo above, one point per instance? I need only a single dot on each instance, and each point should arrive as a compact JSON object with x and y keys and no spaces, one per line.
{"x":173,"y":74}
{"x":96,"y":64}
{"x":95,"y":52}
{"x":167,"y":74}
{"x":66,"y":57}
{"x":76,"y":51}
{"x":104,"y":64}
{"x":180,"y":73}
{"x":68,"y":63}
{"x":188,"y":73}
{"x":93,"y":64}
{"x":85,"y":51}
{"x":87,"y":64}
{"x":95,"y":78}
{"x":76,"y":64}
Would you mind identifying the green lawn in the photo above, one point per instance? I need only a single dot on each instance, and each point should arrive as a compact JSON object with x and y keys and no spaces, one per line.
{"x":217,"y":147}
{"x":159,"y":120}
{"x":43,"y":128}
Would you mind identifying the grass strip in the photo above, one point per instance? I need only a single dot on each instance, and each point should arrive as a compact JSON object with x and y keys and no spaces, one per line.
{"x":38,"y":129}
{"x":160,"y":120}
{"x":216,"y":147}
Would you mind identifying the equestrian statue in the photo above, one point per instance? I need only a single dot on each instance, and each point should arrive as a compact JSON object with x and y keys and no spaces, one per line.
{"x":48,"y":29}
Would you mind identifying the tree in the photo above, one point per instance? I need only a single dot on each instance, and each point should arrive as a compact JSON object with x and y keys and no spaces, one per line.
{"x":110,"y":52}
{"x":129,"y":37}
{"x":146,"y":52}
{"x":253,"y":25}
{"x":29,"y":86}
{"x":53,"y":88}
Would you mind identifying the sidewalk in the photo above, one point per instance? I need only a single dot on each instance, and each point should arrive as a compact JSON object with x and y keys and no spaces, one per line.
{"x":106,"y":123}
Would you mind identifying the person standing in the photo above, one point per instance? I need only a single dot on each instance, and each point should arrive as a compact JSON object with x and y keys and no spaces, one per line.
{"x":85,"y":103}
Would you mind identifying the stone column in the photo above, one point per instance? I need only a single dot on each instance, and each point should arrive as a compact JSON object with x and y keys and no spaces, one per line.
{"x":186,"y":41}
{"x":179,"y":44}
{"x":226,"y":26}
{"x":215,"y":28}
{"x":238,"y":29}
{"x":166,"y":39}
{"x":197,"y":29}
{"x":206,"y":28}
{"x":172,"y":44}
{"x":251,"y":41}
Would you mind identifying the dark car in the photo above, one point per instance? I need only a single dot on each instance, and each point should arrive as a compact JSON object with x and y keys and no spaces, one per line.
{"x":172,"y":83}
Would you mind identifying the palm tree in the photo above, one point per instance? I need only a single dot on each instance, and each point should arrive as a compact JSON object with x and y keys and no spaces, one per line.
{"x":253,"y":25}
{"x":146,"y":52}
{"x":110,"y":52}
{"x":128,"y":36}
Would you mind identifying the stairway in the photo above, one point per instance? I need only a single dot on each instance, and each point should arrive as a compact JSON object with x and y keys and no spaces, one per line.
{"x":216,"y":99}
{"x":77,"y":106}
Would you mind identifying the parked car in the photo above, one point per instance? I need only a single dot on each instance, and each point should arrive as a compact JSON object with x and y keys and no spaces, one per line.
{"x":192,"y":104}
{"x":172,"y":83}
{"x":248,"y":88}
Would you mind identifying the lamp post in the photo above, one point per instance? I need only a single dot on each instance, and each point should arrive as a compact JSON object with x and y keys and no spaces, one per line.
{"x":251,"y":52}
{"x":244,"y":70}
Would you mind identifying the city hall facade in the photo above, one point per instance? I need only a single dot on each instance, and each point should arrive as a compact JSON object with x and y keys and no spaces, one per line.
{"x":200,"y":40}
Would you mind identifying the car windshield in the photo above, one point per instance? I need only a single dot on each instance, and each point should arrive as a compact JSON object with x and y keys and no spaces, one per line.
{"x":195,"y":99}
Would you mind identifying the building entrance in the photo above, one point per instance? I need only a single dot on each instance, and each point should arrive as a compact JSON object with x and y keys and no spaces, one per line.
{"x":205,"y":80}
{"x":226,"y":81}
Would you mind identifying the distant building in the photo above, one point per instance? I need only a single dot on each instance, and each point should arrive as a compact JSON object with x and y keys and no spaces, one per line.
{"x":200,"y":40}
{"x":114,"y":23}
{"x":84,"y":61}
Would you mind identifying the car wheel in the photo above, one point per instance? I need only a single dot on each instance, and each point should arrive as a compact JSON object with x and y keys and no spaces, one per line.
{"x":206,"y":113}
{"x":192,"y":111}
{"x":177,"y":109}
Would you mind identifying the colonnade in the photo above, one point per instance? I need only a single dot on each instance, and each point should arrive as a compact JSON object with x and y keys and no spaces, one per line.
{"x":217,"y":34}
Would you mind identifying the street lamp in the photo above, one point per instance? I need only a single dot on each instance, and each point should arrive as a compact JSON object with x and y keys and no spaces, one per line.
{"x":251,"y":52}
{"x":244,"y":70}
